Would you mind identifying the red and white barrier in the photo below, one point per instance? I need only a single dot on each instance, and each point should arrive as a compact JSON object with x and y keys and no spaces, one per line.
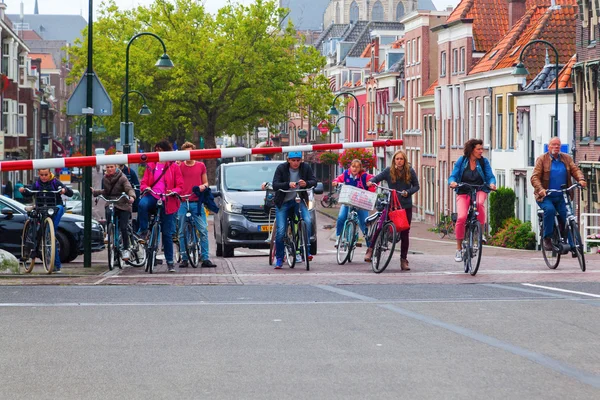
{"x":137,"y":158}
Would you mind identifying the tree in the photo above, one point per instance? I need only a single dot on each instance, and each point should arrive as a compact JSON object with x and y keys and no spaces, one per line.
{"x":231,"y":70}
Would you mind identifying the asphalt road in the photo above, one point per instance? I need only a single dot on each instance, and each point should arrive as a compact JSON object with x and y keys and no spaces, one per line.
{"x":487,"y":341}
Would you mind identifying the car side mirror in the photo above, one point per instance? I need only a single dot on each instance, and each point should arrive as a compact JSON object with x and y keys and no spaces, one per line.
{"x":8,"y":212}
{"x":319,"y":188}
{"x":214,"y":191}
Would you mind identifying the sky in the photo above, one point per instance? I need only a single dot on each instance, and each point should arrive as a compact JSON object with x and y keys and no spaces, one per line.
{"x":80,"y":7}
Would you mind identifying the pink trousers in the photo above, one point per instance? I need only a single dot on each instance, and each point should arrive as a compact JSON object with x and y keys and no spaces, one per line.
{"x":462,"y":209}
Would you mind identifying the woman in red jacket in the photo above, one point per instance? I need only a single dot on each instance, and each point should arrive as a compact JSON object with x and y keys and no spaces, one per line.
{"x":161,"y":177}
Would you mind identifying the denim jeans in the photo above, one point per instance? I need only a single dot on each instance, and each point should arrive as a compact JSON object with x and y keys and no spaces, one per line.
{"x":199,"y":222}
{"x":281,"y":214}
{"x":343,"y":215}
{"x":60,"y":211}
{"x":167,"y":224}
{"x":551,"y":204}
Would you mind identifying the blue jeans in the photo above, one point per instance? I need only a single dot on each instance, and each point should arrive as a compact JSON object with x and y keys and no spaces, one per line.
{"x":167,"y":224}
{"x":281,"y":214}
{"x":60,"y":211}
{"x":199,"y":222}
{"x":550,"y":205}
{"x":343,"y":215}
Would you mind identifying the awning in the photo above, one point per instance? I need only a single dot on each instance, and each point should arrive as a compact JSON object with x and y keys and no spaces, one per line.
{"x":58,"y":149}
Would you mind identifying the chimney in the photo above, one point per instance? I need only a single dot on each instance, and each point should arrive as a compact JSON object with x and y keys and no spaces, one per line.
{"x":2,"y":10}
{"x":516,"y":9}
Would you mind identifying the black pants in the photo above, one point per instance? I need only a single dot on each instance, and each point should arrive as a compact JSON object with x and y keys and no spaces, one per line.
{"x":404,"y":236}
{"x":123,"y":217}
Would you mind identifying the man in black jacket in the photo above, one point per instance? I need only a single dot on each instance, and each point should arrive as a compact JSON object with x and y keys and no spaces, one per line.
{"x":291,"y":175}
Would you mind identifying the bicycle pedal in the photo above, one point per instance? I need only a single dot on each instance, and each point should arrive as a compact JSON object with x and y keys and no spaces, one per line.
{"x":159,"y":261}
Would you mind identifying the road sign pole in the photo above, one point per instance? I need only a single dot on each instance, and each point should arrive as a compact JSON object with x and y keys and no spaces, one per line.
{"x":87,"y":195}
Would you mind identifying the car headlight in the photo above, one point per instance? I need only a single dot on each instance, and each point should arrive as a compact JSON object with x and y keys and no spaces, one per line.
{"x":233,"y":208}
{"x":81,"y":225}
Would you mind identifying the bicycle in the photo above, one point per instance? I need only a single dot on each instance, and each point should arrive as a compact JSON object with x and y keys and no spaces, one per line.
{"x":381,"y":232}
{"x":348,"y":240}
{"x":137,"y":252}
{"x":154,"y":228}
{"x":560,"y":237}
{"x":329,"y":200}
{"x":38,"y":239}
{"x":472,"y":243}
{"x":447,"y":225}
{"x":190,"y":235}
{"x":297,"y":240}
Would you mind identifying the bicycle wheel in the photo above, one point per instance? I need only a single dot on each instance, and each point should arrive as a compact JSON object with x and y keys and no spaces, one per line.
{"x":383,"y":248}
{"x":552,"y":258}
{"x":48,"y":245}
{"x":346,"y":242}
{"x":152,"y":248}
{"x":442,"y":229}
{"x":325,"y":202}
{"x":289,"y":243}
{"x":110,"y":245}
{"x":272,"y":249}
{"x":304,"y":243}
{"x":578,"y":244}
{"x":137,"y":252}
{"x":475,"y":247}
{"x":27,"y":246}
{"x":191,"y":244}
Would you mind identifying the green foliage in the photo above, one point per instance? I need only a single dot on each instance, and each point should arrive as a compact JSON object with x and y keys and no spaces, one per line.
{"x":231,"y":69}
{"x":502,"y":207}
{"x":366,"y":156}
{"x":515,"y":234}
{"x":329,"y":158}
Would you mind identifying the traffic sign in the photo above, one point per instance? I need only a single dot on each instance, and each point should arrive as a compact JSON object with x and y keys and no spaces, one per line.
{"x":76,"y":105}
{"x":323,"y":126}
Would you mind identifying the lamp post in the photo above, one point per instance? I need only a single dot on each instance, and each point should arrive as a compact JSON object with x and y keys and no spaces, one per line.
{"x":335,"y":112}
{"x":520,"y":70}
{"x":145,"y":110}
{"x":164,"y":62}
{"x":336,"y":129}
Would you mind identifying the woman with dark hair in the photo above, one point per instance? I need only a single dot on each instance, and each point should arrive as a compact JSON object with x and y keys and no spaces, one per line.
{"x":403,"y":178}
{"x":161,"y":177}
{"x":474,"y":169}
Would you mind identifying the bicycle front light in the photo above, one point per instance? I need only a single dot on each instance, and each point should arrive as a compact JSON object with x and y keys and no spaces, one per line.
{"x":311,"y":204}
{"x":233,"y":208}
{"x":51,"y":212}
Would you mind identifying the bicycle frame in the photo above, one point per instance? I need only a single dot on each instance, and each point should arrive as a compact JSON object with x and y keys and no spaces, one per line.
{"x":154,"y":223}
{"x":382,"y":215}
{"x":563,"y":246}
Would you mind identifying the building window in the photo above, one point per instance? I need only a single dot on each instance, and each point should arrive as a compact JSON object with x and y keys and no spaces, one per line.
{"x":354,"y":13}
{"x":471,"y":117}
{"x":510,"y":123}
{"x":377,"y":12}
{"x":552,"y":125}
{"x":415,"y":55}
{"x":443,"y":64}
{"x":5,"y":115}
{"x":500,"y":177}
{"x":499,"y":120}
{"x":454,"y":61}
{"x":22,"y":119}
{"x":5,"y":57}
{"x":487,"y":121}
{"x":408,"y":54}
{"x":401,"y":127}
{"x":433,"y":130}
{"x":418,"y":49}
{"x":463,"y":59}
{"x":399,"y":11}
{"x":478,"y":117}
{"x":426,"y":142}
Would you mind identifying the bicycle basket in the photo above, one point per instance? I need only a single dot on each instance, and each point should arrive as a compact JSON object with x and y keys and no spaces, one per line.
{"x":45,"y":200}
{"x":359,"y":198}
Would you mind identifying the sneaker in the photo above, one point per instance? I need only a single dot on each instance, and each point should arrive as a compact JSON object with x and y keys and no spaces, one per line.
{"x":337,"y":242}
{"x":171,"y":267}
{"x":143,"y":237}
{"x":184,"y":264}
{"x":458,"y":257}
{"x":369,"y":255}
{"x":125,"y":255}
{"x":208,"y":264}
{"x":57,"y":271}
{"x":547,"y":244}
{"x":299,"y":258}
{"x":279,"y":263}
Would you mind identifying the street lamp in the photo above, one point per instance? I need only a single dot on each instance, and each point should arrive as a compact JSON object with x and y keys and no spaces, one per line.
{"x":164,"y":62}
{"x":145,"y":110}
{"x":520,"y":70}
{"x":282,"y":132}
{"x":336,"y":129}
{"x":333,"y":111}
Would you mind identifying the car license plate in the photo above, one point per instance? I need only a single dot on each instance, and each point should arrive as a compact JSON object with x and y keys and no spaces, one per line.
{"x":266,"y":228}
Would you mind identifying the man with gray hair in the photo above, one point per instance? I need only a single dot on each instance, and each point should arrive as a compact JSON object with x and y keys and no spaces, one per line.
{"x":552,"y":170}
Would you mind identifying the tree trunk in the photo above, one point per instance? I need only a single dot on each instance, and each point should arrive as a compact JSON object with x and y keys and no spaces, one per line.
{"x":211,"y":163}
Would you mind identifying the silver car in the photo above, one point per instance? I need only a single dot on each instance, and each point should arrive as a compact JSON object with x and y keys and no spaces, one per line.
{"x":242,"y":220}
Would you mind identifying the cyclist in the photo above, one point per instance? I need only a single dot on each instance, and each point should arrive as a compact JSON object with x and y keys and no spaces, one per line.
{"x":353,"y":176}
{"x":114,"y":184}
{"x":162,"y":177}
{"x":291,"y":174}
{"x":133,"y":180}
{"x":194,"y":174}
{"x":402,"y":178}
{"x":47,"y":181}
{"x":474,"y":169}
{"x":552,"y":170}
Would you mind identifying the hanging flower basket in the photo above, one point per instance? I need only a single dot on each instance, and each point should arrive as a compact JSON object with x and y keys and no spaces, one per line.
{"x":329,"y":158}
{"x":4,"y":82}
{"x":365,"y":156}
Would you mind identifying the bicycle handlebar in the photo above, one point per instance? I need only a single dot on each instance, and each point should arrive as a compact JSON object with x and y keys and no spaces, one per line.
{"x":43,"y":191}
{"x":464,"y":184}
{"x":269,"y":186}
{"x":573,"y":186}
{"x":149,"y":190}
{"x":123,"y":195}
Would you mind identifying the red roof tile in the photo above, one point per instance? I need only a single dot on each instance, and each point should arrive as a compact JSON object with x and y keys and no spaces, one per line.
{"x":29,"y":35}
{"x":431,"y":89}
{"x":557,"y":26}
{"x":564,"y":76}
{"x":47,"y":60}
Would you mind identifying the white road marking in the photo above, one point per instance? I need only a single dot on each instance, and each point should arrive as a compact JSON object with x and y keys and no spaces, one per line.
{"x":561,"y":290}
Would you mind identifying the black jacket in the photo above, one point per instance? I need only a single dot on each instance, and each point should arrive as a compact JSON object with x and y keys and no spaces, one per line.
{"x":206,"y":198}
{"x":52,"y":185}
{"x":281,"y":181}
{"x":411,"y":187}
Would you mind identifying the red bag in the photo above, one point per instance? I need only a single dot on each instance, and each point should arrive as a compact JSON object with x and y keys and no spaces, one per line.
{"x":398,"y":215}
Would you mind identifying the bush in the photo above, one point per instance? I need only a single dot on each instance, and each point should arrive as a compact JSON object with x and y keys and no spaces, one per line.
{"x":502,"y":207}
{"x":329,"y":158}
{"x":515,"y":234}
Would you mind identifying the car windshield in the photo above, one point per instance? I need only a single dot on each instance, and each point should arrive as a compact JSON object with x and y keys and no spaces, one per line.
{"x":13,"y":203}
{"x":248,"y":177}
{"x":76,"y":195}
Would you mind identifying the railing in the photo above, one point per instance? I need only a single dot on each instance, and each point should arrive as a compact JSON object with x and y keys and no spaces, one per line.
{"x":589,"y":223}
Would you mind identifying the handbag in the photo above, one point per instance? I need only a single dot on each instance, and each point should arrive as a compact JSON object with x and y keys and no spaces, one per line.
{"x":398,"y":214}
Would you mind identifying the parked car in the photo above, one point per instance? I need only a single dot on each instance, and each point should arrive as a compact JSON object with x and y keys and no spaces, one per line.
{"x":74,"y":204}
{"x":242,"y":220}
{"x":69,"y":232}
{"x":77,"y":174}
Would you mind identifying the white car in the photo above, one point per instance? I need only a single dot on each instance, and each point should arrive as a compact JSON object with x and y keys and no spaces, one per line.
{"x":74,"y":204}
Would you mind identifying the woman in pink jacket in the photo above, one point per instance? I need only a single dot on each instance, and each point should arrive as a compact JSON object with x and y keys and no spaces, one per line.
{"x":358,"y":177}
{"x":161,"y":177}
